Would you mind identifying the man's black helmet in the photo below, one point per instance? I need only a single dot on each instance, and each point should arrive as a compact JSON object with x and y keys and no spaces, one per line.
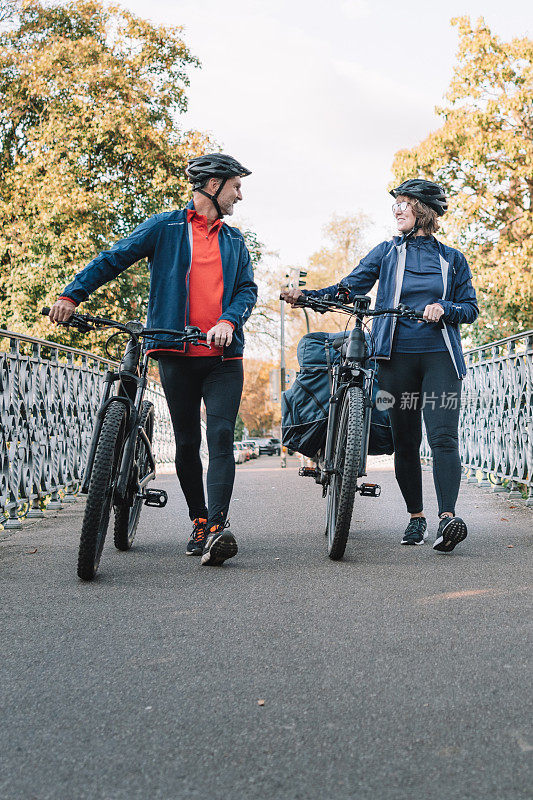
{"x":428,"y":192}
{"x":213,"y":165}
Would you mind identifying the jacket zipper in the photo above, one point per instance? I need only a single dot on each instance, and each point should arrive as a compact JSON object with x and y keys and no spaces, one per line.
{"x":187,"y":280}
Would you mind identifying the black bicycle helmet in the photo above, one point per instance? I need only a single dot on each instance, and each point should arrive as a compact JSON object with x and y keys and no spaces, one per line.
{"x":213,"y":165}
{"x":428,"y":192}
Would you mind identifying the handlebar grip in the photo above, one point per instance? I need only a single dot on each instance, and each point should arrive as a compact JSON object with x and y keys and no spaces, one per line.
{"x":45,"y":311}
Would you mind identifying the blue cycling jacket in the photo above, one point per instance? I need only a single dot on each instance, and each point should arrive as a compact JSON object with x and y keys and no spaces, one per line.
{"x":165,"y":240}
{"x":386,"y":263}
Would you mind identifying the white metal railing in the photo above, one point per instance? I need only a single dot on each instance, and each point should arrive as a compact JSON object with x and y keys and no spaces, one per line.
{"x":496,"y":421}
{"x":49,"y":394}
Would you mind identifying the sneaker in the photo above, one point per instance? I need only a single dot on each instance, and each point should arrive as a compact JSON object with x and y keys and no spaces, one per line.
{"x":452,"y":530}
{"x":195,"y":545}
{"x":416,"y":531}
{"x":219,"y":545}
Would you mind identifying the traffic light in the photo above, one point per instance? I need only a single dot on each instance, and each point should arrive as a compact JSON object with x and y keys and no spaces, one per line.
{"x":296,"y":277}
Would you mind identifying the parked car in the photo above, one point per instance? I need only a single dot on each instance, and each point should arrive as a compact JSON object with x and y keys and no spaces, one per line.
{"x":246,"y":451}
{"x":239,"y":456}
{"x":270,"y":447}
{"x":276,"y":444}
{"x":246,"y":446}
{"x":254,"y":447}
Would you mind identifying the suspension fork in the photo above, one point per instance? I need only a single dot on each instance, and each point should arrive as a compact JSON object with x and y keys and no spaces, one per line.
{"x":128,"y":454}
{"x":334,"y":405}
{"x":367,"y":397}
{"x":109,"y":380}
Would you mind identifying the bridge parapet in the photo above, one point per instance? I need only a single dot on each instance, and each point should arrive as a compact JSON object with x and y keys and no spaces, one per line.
{"x":496,"y":422}
{"x":49,"y":394}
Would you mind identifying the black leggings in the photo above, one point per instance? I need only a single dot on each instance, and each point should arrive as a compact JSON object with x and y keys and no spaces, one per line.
{"x":186,"y":380}
{"x":424,"y":383}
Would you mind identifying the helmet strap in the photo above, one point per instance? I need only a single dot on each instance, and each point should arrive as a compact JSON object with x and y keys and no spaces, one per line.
{"x":214,"y":197}
{"x":412,"y":232}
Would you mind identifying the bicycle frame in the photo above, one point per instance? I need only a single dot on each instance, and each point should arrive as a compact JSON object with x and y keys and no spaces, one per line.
{"x":351,"y":372}
{"x":130,"y":382}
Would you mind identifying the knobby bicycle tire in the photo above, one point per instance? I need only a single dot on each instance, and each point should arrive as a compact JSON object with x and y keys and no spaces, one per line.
{"x":347,"y":461}
{"x":101,"y":487}
{"x":127,"y":517}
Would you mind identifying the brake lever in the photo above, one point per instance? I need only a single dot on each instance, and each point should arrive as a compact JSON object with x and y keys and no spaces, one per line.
{"x":81,"y":325}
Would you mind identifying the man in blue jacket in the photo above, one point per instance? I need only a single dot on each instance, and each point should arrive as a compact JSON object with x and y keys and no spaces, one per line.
{"x":201,"y":274}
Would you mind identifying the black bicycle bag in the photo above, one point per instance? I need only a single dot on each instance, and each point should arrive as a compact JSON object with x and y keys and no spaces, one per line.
{"x":304,"y":407}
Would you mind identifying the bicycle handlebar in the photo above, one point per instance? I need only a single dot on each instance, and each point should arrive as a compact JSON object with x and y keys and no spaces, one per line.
{"x":323,"y":305}
{"x":88,"y":322}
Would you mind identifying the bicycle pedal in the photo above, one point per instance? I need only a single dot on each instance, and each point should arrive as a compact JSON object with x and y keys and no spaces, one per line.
{"x":155,"y":497}
{"x":308,"y":472}
{"x":370,"y":489}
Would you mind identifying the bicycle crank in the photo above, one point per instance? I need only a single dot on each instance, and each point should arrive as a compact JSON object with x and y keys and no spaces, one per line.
{"x":155,"y":497}
{"x":309,"y":472}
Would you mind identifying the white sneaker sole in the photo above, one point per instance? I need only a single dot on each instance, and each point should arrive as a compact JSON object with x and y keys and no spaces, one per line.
{"x":410,"y":542}
{"x":453,"y":533}
{"x":221,"y":549}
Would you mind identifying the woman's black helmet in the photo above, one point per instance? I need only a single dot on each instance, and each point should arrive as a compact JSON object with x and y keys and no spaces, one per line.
{"x":214,"y":165}
{"x":428,"y":192}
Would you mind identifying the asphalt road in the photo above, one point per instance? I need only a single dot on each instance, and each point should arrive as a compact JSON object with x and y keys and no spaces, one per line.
{"x":396,"y":674}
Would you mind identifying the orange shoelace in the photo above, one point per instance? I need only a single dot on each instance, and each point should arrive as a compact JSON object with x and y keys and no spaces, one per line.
{"x":198,"y":531}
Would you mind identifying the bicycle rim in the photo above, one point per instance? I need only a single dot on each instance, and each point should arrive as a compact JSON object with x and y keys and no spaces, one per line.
{"x":347,"y":460}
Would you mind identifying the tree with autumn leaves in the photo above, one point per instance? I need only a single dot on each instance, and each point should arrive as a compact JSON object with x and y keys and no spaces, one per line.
{"x":90,"y":146}
{"x":483,"y":156}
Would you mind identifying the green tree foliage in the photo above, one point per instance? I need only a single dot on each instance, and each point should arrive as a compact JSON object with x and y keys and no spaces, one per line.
{"x":89,"y":148}
{"x":483,"y":155}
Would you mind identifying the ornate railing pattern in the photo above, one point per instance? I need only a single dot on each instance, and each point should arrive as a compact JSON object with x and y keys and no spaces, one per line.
{"x":496,"y":422}
{"x":49,"y":394}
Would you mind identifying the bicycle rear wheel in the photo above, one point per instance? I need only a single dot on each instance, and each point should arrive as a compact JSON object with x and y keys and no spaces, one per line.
{"x":127,"y":517}
{"x":101,"y":488}
{"x":346,"y":463}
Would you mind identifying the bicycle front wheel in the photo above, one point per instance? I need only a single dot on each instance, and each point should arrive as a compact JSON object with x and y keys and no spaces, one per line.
{"x":346,"y":464}
{"x":101,"y":488}
{"x":127,"y":517}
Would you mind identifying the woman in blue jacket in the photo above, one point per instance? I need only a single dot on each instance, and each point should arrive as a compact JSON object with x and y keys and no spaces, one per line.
{"x":421,"y":365}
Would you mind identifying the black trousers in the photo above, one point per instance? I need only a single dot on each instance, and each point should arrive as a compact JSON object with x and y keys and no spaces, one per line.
{"x":424,"y":384}
{"x":186,"y":381}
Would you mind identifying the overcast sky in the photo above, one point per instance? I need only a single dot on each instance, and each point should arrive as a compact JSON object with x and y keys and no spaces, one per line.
{"x":316,"y":97}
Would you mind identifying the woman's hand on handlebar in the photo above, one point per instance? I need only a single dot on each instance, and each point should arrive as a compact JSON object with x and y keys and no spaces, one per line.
{"x":62,"y":310}
{"x":433,"y":312}
{"x":291,"y":295}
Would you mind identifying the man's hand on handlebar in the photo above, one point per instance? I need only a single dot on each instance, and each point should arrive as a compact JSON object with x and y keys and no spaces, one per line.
{"x":62,"y":310}
{"x":291,"y":295}
{"x":220,"y":334}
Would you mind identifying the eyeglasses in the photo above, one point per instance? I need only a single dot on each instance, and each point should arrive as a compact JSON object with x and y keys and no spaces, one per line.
{"x":400,"y":206}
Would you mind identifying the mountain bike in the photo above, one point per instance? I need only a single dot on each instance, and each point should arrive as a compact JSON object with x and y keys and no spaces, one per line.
{"x":342,"y":460}
{"x":120,"y":463}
